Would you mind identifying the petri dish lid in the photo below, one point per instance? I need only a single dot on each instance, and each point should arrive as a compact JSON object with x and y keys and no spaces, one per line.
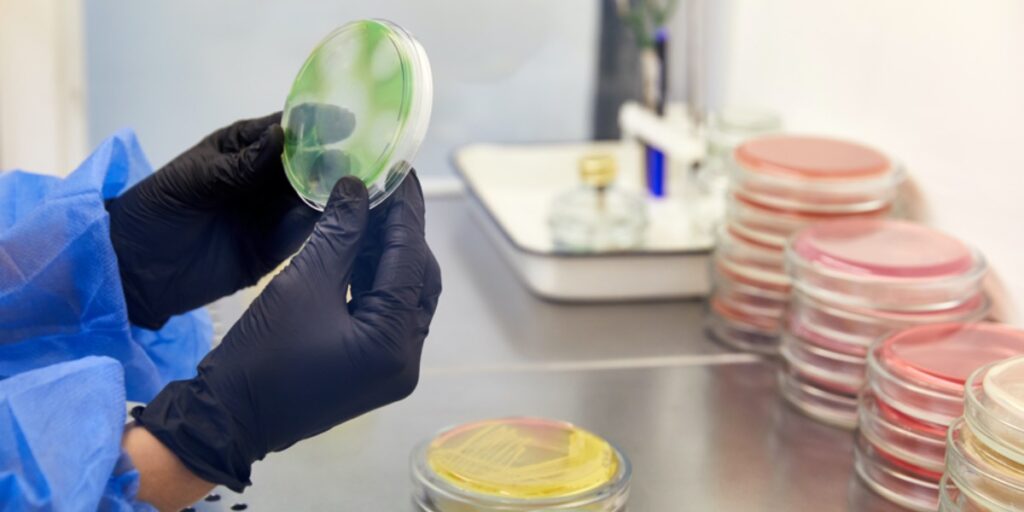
{"x":886,"y":249}
{"x":525,"y":459}
{"x":1004,"y":384}
{"x":811,"y":158}
{"x":945,"y":355}
{"x":359,"y":106}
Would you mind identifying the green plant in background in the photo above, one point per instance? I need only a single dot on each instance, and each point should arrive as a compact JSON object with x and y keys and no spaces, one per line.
{"x":645,"y":17}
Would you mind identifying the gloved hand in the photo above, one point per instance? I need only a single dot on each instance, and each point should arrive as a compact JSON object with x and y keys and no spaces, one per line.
{"x":212,"y":221}
{"x":301,"y":359}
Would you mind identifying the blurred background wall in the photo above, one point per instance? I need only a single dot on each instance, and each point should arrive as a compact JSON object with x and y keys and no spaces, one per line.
{"x":504,"y":70}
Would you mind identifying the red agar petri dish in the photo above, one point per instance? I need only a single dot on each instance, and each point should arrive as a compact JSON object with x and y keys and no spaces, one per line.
{"x":804,"y":157}
{"x":883,"y":248}
{"x":943,"y":356}
{"x":921,"y":371}
{"x":735,"y":314}
{"x":897,"y":417}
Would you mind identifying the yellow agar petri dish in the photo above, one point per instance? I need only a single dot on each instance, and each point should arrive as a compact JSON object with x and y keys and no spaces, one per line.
{"x":981,"y":473}
{"x":1004,"y":384}
{"x":994,"y":407}
{"x":520,"y":464}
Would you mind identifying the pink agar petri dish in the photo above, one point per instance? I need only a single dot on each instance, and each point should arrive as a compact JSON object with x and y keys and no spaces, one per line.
{"x":805,"y":157}
{"x":773,"y":225}
{"x":922,"y":371}
{"x":886,"y":249}
{"x":943,"y":356}
{"x":840,"y":372}
{"x":885,"y":265}
{"x":894,"y":479}
{"x":814,"y":174}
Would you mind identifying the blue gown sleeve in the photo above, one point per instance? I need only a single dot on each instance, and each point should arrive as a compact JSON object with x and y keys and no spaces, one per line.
{"x":60,"y":290}
{"x":60,"y":439}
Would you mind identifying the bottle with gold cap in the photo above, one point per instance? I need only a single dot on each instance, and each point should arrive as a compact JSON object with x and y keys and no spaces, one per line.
{"x":597,"y":216}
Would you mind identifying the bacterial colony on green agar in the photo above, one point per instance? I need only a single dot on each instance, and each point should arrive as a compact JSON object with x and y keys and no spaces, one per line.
{"x":520,"y":464}
{"x":360,"y":106}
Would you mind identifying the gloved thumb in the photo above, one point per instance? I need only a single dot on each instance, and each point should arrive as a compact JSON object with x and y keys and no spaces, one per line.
{"x":338,"y":235}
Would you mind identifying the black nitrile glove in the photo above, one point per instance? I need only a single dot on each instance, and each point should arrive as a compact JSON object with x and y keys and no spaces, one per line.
{"x":301,"y":359}
{"x":212,"y":221}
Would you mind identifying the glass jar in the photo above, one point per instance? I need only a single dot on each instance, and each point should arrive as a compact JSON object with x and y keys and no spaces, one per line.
{"x":597,"y":216}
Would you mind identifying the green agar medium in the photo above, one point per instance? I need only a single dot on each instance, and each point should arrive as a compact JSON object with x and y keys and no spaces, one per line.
{"x":359,"y":107}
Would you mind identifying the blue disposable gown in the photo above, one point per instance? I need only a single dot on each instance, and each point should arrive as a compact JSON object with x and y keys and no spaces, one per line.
{"x":69,"y":358}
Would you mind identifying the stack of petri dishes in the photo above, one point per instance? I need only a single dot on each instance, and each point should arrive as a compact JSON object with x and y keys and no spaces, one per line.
{"x":985,"y":449}
{"x":856,"y":281}
{"x":519,"y":464}
{"x":914,"y":392}
{"x":780,"y":184}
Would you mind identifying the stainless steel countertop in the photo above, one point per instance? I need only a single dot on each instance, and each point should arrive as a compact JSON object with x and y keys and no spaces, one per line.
{"x":704,"y":428}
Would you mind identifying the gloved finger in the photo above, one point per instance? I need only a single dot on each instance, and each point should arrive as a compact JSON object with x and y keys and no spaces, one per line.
{"x":240,"y":134}
{"x":337,"y":237}
{"x":362,"y":280}
{"x":430,"y":295}
{"x":293,"y":223}
{"x":401,"y":269}
{"x":257,"y":163}
{"x":431,"y":286}
{"x":316,"y":124}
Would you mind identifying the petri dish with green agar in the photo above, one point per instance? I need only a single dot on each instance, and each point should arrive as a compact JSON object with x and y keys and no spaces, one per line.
{"x":519,"y":464}
{"x":360,"y":107}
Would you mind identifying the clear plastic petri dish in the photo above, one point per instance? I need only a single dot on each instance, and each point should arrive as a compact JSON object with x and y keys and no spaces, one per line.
{"x":952,"y":499}
{"x":816,"y":174}
{"x":984,"y":474}
{"x":921,"y":449}
{"x":780,"y":222}
{"x":766,"y":302}
{"x":816,"y":400}
{"x":991,"y":407}
{"x":730,"y":126}
{"x":852,"y":330}
{"x":884,"y":264}
{"x":762,"y":277}
{"x":519,"y":464}
{"x":838,"y":372}
{"x":359,"y":106}
{"x":741,"y":327}
{"x":892,"y":479}
{"x":740,"y":251}
{"x":921,"y":371}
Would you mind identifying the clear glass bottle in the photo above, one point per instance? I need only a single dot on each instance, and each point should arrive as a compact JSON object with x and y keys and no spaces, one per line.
{"x":596,"y":216}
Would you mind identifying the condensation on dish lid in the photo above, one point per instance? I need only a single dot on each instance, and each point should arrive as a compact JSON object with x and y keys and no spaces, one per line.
{"x":360,"y":107}
{"x":885,"y":264}
{"x":520,"y":464}
{"x":921,"y":371}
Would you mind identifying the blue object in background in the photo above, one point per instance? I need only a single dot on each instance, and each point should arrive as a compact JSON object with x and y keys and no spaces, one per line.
{"x":655,"y":163}
{"x":60,"y":439}
{"x":60,"y":290}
